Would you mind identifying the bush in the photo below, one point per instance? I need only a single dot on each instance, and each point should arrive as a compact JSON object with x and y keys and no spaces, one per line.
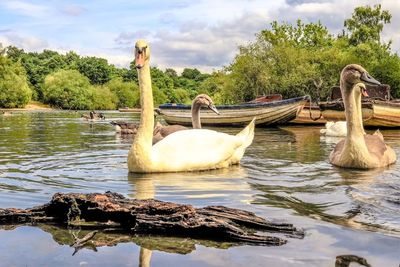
{"x":127,"y":92}
{"x":14,"y":89}
{"x":68,"y":89}
{"x":103,"y":98}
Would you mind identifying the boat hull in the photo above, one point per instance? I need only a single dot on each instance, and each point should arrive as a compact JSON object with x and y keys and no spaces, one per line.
{"x":375,"y":114}
{"x":304,"y":116}
{"x":270,"y":113}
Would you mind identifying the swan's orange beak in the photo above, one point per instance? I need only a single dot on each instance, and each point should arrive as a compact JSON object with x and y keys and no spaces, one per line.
{"x":139,"y":59}
{"x":364,"y":92}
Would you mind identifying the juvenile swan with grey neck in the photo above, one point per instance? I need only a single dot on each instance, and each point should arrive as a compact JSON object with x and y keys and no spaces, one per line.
{"x":202,"y":100}
{"x":359,"y":150}
{"x":189,"y":150}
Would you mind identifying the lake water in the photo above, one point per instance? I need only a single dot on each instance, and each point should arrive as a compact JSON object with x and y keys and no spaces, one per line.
{"x":285,"y":175}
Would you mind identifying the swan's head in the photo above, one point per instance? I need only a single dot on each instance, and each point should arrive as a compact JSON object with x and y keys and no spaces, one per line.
{"x":142,"y":53}
{"x":353,"y":74}
{"x":205,"y":101}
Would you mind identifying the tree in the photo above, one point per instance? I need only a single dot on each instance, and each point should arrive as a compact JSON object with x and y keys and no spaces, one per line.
{"x":14,"y":53}
{"x":190,"y":74}
{"x":14,"y":89}
{"x":366,"y":24}
{"x":72,"y":59}
{"x":96,"y":69}
{"x":171,"y":73}
{"x":311,"y":35}
{"x":127,"y":92}
{"x":103,"y":98}
{"x":68,"y":89}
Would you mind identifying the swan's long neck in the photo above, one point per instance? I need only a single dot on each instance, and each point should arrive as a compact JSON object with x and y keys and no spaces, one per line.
{"x":142,"y":145}
{"x":354,"y":143}
{"x":196,"y":124}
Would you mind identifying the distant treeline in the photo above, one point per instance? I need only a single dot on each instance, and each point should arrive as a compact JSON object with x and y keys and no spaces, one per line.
{"x":290,"y":59}
{"x":73,"y":82}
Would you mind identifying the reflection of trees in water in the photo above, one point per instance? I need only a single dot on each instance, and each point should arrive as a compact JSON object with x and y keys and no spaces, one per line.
{"x":50,"y":133}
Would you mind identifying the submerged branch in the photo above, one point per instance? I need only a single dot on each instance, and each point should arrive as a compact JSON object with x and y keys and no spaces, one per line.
{"x":112,"y":210}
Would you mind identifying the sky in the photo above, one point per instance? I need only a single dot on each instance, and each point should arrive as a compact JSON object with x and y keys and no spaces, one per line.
{"x":203,"y":34}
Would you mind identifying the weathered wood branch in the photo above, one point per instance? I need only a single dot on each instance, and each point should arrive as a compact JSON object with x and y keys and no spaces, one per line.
{"x":112,"y":210}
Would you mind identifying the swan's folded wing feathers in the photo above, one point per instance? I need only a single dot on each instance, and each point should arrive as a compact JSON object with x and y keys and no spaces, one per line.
{"x":375,"y":144}
{"x":337,"y":150}
{"x":191,"y":148}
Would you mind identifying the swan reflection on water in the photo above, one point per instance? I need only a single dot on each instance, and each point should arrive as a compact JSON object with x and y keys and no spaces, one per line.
{"x":207,"y":184}
{"x":145,"y":187}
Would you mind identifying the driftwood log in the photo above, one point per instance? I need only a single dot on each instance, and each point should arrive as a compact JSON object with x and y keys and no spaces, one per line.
{"x":112,"y":210}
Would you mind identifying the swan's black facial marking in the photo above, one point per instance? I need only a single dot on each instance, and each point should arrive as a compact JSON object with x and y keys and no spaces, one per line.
{"x":140,"y":56}
{"x":141,"y":50}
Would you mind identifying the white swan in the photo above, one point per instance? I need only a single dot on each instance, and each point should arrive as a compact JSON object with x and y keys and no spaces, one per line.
{"x":189,"y":150}
{"x":337,"y":129}
{"x":359,"y":150}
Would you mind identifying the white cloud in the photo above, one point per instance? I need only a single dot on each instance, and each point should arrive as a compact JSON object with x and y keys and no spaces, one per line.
{"x":26,"y":9}
{"x":73,"y":10}
{"x":314,"y":8}
{"x":29,"y":43}
{"x":128,"y":38}
{"x":202,"y":34}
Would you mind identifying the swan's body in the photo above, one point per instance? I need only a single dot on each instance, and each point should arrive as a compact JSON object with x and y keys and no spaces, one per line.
{"x":337,"y":129}
{"x":161,"y":131}
{"x":189,"y":150}
{"x":359,"y":150}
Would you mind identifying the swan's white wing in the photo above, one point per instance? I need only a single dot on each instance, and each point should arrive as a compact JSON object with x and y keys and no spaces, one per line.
{"x":194,"y":150}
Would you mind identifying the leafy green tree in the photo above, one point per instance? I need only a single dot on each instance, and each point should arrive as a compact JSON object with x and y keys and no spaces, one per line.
{"x":291,"y":59}
{"x":164,"y":83}
{"x":68,"y":89}
{"x":37,"y":66}
{"x":366,"y":24}
{"x":311,"y":35}
{"x":14,"y":53}
{"x":72,"y":60}
{"x":103,"y":98}
{"x":96,"y":69}
{"x":14,"y":89}
{"x":127,"y":92}
{"x":190,"y":74}
{"x":159,"y":96}
{"x":171,"y":73}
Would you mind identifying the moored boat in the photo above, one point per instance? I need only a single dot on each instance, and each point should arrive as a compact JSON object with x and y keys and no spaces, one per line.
{"x":135,"y":110}
{"x":304,"y":116}
{"x":266,"y":113}
{"x":378,"y":110}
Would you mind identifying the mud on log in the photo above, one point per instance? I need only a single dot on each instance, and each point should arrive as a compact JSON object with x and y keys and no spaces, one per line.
{"x":112,"y":210}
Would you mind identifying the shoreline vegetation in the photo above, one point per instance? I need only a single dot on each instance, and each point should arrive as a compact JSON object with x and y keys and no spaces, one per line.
{"x":31,"y":106}
{"x":288,"y":59}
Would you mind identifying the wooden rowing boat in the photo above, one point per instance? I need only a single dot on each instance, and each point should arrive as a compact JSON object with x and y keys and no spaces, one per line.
{"x":266,"y":113}
{"x":378,"y":110}
{"x":304,"y":116}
